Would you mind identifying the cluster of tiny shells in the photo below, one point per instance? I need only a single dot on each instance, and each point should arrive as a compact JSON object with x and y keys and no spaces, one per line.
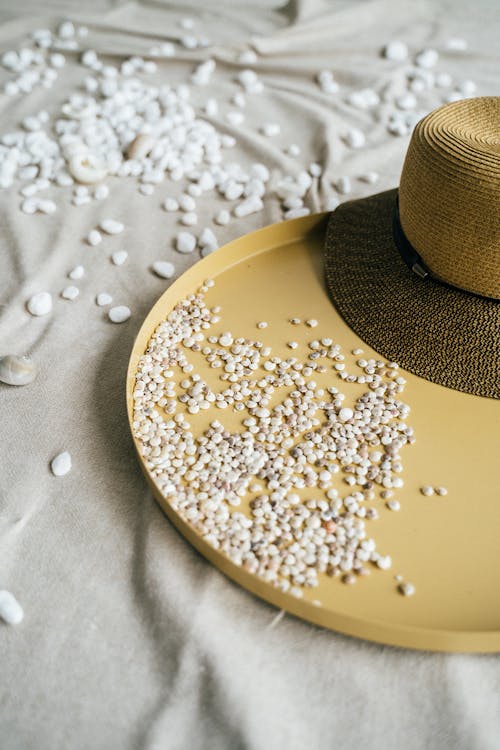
{"x":288,"y":495}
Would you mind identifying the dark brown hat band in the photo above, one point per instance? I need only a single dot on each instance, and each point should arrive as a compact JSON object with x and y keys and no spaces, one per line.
{"x":410,"y":256}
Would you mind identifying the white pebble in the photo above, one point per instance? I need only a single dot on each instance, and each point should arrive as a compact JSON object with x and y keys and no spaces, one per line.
{"x":185,"y":242}
{"x":456,"y":44}
{"x":163,"y":268}
{"x":189,"y":219}
{"x":29,"y":206}
{"x":187,"y":202}
{"x":326,"y":82}
{"x":369,"y":177}
{"x":119,"y":258}
{"x":247,"y":57}
{"x":467,"y":87}
{"x":311,"y":323}
{"x":343,"y":185}
{"x":406,"y":101}
{"x":364,"y":99}
{"x":46,"y":206}
{"x":189,"y":41}
{"x":355,"y":138}
{"x":146,"y":189}
{"x":208,"y":239}
{"x":260,"y":172}
{"x":170,"y":204}
{"x":211,"y":107}
{"x":57,"y":60}
{"x":270,"y":129}
{"x":443,"y":80}
{"x":235,"y":117}
{"x":78,"y":272}
{"x":119,"y":314}
{"x":427,"y":491}
{"x":232,"y":190}
{"x":239,"y":100}
{"x":70,"y":292}
{"x":427,"y":58}
{"x":11,"y":611}
{"x":66,"y":30}
{"x":207,"y":250}
{"x":110,"y":226}
{"x":101,"y":192}
{"x":249,"y":206}
{"x":331,"y":204}
{"x":297,"y":213}
{"x":94,"y":237}
{"x":223,"y":217}
{"x":103,"y":299}
{"x":61,"y":464}
{"x":396,"y":50}
{"x":40,"y":304}
{"x":80,"y":200}
{"x":293,"y":202}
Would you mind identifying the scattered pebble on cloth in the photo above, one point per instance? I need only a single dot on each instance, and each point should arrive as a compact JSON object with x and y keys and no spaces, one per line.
{"x":40,"y":304}
{"x":119,"y":257}
{"x":119,"y":314}
{"x":78,"y":272}
{"x":61,"y":464}
{"x":70,"y":292}
{"x":163,"y":268}
{"x":103,"y":299}
{"x":11,"y":611}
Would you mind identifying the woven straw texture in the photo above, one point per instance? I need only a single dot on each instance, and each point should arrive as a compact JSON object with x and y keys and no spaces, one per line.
{"x":449,"y":194}
{"x":440,"y":333}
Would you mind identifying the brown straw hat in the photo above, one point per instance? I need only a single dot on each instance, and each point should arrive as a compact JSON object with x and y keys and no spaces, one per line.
{"x":415,"y":272}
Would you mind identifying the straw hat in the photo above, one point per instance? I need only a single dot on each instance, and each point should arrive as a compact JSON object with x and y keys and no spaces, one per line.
{"x":416,"y":271}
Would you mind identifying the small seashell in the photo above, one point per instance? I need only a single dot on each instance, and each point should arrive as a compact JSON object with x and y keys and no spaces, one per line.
{"x":17,"y":370}
{"x":140,"y":147}
{"x":87,"y":169}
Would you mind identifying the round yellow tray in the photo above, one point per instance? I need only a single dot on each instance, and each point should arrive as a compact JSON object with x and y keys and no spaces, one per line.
{"x":447,"y":547}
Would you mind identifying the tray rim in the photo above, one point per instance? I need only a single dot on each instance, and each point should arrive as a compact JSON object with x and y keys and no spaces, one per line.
{"x":371,"y":629}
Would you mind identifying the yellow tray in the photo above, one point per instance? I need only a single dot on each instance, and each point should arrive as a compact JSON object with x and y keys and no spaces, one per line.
{"x":446,"y":546}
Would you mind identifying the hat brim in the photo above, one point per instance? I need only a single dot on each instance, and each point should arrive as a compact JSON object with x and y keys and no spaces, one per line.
{"x":433,"y":330}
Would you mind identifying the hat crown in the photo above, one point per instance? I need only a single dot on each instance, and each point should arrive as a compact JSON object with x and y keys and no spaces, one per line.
{"x":449,"y":194}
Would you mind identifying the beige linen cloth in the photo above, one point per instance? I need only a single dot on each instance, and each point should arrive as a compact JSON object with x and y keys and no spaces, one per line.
{"x":130,"y":639}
